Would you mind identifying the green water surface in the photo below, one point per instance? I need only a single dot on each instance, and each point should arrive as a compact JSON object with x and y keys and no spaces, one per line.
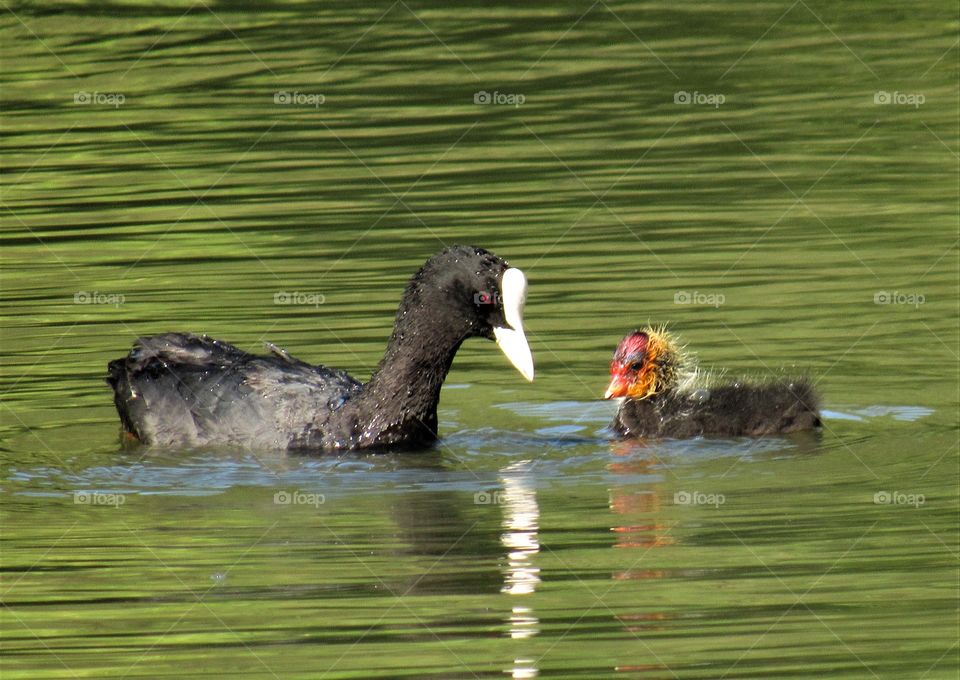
{"x":777,"y":180}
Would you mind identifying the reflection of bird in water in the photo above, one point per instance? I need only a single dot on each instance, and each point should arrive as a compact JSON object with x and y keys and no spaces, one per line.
{"x":640,"y":502}
{"x":521,"y":525}
{"x":440,"y":528}
{"x":646,"y":502}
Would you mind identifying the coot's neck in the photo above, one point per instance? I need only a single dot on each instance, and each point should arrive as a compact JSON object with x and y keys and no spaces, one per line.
{"x":398,"y":405}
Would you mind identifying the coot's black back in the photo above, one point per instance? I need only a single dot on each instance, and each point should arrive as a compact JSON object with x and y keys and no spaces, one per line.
{"x":204,"y":391}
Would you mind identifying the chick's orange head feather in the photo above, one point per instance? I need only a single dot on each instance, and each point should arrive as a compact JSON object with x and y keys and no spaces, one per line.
{"x":645,"y":363}
{"x":630,"y":371}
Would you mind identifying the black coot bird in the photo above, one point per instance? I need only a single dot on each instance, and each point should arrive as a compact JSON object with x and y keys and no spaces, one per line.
{"x":664,"y":395}
{"x":178,"y":389}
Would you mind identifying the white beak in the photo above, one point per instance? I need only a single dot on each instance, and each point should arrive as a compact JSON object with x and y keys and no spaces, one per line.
{"x":512,"y":341}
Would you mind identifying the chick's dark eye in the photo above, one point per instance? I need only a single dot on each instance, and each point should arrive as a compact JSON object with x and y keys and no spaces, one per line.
{"x":635,"y":366}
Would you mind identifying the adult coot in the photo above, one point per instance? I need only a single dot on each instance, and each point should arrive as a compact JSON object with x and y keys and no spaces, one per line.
{"x":178,"y":389}
{"x":664,"y":395}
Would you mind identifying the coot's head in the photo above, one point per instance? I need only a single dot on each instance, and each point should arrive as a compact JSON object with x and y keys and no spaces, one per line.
{"x":646,"y":362}
{"x":475,"y":293}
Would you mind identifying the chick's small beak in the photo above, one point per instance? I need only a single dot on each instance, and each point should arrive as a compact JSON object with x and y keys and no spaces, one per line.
{"x":512,"y":341}
{"x":617,"y":388}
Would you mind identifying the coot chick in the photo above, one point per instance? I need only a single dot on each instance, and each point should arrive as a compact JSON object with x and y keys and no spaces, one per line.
{"x":665,"y":395}
{"x":178,"y":389}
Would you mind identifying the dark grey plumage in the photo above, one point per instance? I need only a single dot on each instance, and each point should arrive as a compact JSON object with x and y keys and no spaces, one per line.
{"x":727,"y":410}
{"x":665,"y":395}
{"x":187,"y":390}
{"x":179,"y":389}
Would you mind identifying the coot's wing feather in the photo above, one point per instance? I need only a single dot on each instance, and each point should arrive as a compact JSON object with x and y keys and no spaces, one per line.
{"x":184,"y":349}
{"x":177,"y":389}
